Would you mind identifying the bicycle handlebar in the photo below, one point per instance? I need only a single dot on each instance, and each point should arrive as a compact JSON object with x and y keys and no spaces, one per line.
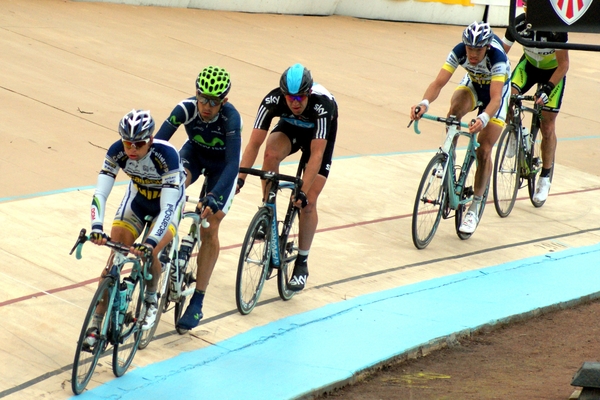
{"x":82,"y":238}
{"x":272,"y":176}
{"x":448,"y":121}
{"x":203,"y":222}
{"x":522,"y":97}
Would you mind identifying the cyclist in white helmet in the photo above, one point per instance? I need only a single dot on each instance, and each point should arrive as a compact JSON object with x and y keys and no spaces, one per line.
{"x":156,"y":189}
{"x":485,"y":87}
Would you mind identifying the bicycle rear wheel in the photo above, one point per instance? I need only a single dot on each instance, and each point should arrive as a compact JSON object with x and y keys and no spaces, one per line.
{"x":188,"y":285}
{"x":429,"y":202}
{"x":468,"y":191}
{"x":506,"y":176}
{"x":89,"y":350}
{"x":535,"y":165}
{"x":163,"y":284}
{"x":188,"y":279}
{"x":289,"y":252}
{"x":254,"y":261}
{"x":129,"y":331}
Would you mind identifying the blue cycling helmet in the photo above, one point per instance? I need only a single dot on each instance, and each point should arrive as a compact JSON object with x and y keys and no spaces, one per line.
{"x":478,"y":34}
{"x":296,"y":79}
{"x":136,"y":125}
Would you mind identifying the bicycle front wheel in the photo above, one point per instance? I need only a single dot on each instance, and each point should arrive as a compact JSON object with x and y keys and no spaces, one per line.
{"x":535,"y":165}
{"x":289,"y":252}
{"x":506,"y":176}
{"x":254,"y":261}
{"x":163,"y":284}
{"x":90,"y":347}
{"x":130,"y":333}
{"x":429,"y":202}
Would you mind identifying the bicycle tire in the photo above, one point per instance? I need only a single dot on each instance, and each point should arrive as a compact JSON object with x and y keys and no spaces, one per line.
{"x":129,"y":332}
{"x":289,"y":252}
{"x":467,"y":191}
{"x":429,"y":203}
{"x":188,"y":283}
{"x":535,"y":162}
{"x":253,"y":263}
{"x":506,"y":177}
{"x":163,"y":285}
{"x":86,"y":358}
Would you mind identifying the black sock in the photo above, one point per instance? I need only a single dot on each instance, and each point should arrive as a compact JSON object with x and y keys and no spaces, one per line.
{"x":301,"y":259}
{"x":545,"y":172}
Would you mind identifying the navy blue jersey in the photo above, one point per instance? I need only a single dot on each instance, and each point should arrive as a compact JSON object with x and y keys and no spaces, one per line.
{"x":217,"y":143}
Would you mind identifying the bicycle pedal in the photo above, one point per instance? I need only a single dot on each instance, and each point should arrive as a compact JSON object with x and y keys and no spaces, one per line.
{"x":270,"y":273}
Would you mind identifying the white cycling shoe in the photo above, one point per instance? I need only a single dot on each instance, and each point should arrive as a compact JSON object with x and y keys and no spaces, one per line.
{"x":542,"y":189}
{"x":469,"y":222}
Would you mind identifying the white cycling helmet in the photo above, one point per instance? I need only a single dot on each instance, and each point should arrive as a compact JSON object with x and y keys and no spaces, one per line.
{"x":136,"y":125}
{"x":478,"y":34}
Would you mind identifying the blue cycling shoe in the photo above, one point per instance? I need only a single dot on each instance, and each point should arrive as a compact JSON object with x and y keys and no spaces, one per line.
{"x":193,"y":314}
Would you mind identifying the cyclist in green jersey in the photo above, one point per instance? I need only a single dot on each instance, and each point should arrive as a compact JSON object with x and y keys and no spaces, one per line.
{"x":548,"y":69}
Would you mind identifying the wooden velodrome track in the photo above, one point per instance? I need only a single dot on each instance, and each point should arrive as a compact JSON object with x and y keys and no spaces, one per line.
{"x":69,"y":71}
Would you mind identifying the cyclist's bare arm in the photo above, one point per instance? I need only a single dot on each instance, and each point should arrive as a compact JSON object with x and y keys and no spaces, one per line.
{"x":562,"y":57}
{"x":432,"y":93}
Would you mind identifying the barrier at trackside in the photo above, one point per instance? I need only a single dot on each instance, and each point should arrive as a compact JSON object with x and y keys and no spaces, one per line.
{"x":453,"y":12}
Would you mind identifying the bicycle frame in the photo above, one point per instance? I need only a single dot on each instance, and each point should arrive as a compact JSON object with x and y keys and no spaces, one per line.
{"x":266,"y":249}
{"x":271,"y":205}
{"x":454,"y":187}
{"x":525,"y":161}
{"x":120,"y":303}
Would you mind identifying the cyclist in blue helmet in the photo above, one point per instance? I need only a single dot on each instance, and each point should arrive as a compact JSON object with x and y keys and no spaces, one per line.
{"x":156,"y":189}
{"x":213,"y":127}
{"x":546,"y":68}
{"x":308,"y":116}
{"x":485,"y":88}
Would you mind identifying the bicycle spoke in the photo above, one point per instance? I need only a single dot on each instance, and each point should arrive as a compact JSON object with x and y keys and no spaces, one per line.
{"x":129,"y":330}
{"x":429,"y":203}
{"x":506,"y":171}
{"x":90,"y":347}
{"x":253,"y":262}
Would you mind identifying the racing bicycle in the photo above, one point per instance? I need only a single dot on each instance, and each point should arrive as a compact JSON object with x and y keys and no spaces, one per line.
{"x":445,"y":186}
{"x":518,"y":156}
{"x":120,"y":299}
{"x":267,"y":248}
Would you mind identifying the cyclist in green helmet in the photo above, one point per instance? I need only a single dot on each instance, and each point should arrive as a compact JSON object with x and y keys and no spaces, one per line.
{"x":213,"y":127}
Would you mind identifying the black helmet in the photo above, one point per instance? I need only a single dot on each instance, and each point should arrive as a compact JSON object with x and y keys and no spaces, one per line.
{"x":296,"y":79}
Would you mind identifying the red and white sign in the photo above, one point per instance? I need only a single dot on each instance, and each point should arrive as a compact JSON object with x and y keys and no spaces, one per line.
{"x":570,"y":10}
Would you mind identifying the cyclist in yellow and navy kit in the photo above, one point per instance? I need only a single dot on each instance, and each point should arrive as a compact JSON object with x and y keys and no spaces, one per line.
{"x":486,"y":82}
{"x":156,"y":189}
{"x":213,"y":127}
{"x":547,"y":68}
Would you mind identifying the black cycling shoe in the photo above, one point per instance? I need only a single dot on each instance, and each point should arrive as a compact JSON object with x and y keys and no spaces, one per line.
{"x":299,"y":278}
